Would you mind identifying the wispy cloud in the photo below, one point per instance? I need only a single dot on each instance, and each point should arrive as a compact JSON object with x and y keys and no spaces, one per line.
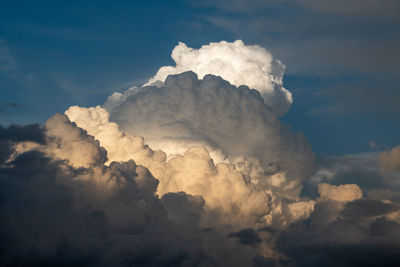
{"x":7,"y":61}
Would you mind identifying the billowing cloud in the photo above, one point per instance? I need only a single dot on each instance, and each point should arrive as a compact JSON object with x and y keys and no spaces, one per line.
{"x":222,"y":143}
{"x":55,"y":212}
{"x":230,"y":120}
{"x":191,"y":172}
{"x":87,"y":212}
{"x":237,"y":63}
{"x":342,"y":193}
{"x":227,"y":190}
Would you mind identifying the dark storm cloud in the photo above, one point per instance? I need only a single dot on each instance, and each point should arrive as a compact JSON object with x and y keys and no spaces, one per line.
{"x":357,"y":234}
{"x":54,"y":214}
{"x":247,"y":236}
{"x":18,"y":133}
{"x":184,"y":210}
{"x":72,"y":209}
{"x":328,"y":254}
{"x":383,"y":227}
{"x":364,"y":208}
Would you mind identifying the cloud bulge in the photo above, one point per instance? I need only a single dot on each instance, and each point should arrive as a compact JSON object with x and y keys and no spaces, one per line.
{"x":193,"y":168}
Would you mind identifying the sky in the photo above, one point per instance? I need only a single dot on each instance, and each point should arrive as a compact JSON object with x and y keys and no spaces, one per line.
{"x":200,"y":133}
{"x":341,"y":61}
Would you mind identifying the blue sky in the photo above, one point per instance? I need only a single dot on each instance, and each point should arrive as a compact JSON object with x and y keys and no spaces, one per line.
{"x":341,"y":64}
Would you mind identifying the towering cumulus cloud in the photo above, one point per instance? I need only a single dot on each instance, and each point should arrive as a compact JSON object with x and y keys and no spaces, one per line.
{"x":192,"y":169}
{"x":211,"y":112}
{"x":236,"y":63}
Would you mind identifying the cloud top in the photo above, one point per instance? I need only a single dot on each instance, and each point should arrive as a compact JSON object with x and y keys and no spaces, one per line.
{"x":237,"y":63}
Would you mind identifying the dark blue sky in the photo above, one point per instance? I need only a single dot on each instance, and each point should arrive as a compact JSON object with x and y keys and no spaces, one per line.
{"x":342,"y":64}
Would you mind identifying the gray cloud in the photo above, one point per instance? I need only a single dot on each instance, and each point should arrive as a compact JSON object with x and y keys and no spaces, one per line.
{"x":55,"y":214}
{"x":384,"y":9}
{"x":360,"y":229}
{"x":17,"y":133}
{"x":61,"y":204}
{"x":247,"y":236}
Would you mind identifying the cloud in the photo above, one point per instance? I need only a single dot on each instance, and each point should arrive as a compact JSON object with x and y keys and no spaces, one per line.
{"x":213,"y":147}
{"x":54,"y":213}
{"x":247,"y":236}
{"x":368,"y":8}
{"x":18,"y":133}
{"x":65,"y":201}
{"x":389,"y":161}
{"x":370,"y":171}
{"x":184,"y":210}
{"x":220,"y":154}
{"x":236,"y":63}
{"x":360,"y":208}
{"x":361,"y":169}
{"x":7,"y":61}
{"x":61,"y":203}
{"x":356,"y":8}
{"x":191,"y":172}
{"x":342,"y":193}
{"x":341,"y":234}
{"x":231,"y":120}
{"x":330,"y":39}
{"x":222,"y":185}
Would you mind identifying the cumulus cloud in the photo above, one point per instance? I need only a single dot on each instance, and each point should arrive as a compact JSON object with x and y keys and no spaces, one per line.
{"x":56,"y":212}
{"x":341,"y":233}
{"x":226,"y":119}
{"x":389,"y":161}
{"x":217,"y":148}
{"x":362,"y":169}
{"x":89,"y":211}
{"x":227,"y":190}
{"x":237,"y":63}
{"x":222,"y":143}
{"x":191,"y":172}
{"x":342,"y":193}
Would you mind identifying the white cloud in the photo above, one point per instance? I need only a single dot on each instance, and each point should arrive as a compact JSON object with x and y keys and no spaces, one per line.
{"x":226,"y":119}
{"x":341,"y":193}
{"x":237,"y":63}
